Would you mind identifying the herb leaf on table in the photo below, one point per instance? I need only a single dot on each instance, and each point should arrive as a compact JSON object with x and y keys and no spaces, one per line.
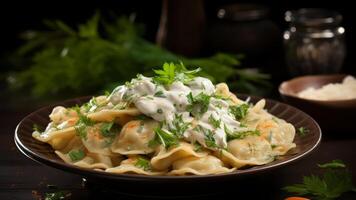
{"x":334,"y":181}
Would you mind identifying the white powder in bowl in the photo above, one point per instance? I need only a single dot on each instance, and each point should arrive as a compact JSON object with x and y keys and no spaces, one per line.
{"x":332,"y":91}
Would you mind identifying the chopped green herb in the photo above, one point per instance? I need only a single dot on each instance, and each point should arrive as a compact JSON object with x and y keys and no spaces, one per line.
{"x":57,"y":195}
{"x":163,"y":137}
{"x":333,"y":164}
{"x":82,"y":125}
{"x":159,"y":94}
{"x":36,"y":128}
{"x":218,"y":96}
{"x":302,"y":131}
{"x":121,"y":105}
{"x":159,"y":111}
{"x":107,"y":129}
{"x":199,"y":104}
{"x":179,"y":126}
{"x":142,"y":117}
{"x":239,"y":134}
{"x":239,"y":111}
{"x":107,"y":93}
{"x":76,"y":155}
{"x":330,"y":185}
{"x":143,"y":163}
{"x":209,"y":136}
{"x":197,"y":147}
{"x":215,"y":122}
{"x":127,"y":97}
{"x":273,"y":146}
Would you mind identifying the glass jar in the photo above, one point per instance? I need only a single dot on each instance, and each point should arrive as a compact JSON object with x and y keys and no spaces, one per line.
{"x":247,"y":29}
{"x":314,"y":42}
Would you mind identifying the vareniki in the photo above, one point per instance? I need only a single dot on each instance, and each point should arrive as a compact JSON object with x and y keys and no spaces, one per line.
{"x":175,"y":123}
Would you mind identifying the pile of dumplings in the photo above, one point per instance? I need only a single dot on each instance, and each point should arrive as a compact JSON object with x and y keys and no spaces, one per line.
{"x":126,"y":148}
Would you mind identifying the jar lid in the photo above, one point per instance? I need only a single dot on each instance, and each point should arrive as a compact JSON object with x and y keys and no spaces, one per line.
{"x":313,"y":17}
{"x":243,"y":12}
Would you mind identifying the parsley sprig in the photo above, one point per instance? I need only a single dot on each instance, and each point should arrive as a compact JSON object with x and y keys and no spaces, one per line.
{"x":302,"y":131}
{"x":239,"y":111}
{"x":76,"y":155}
{"x":171,"y":72}
{"x":143,"y":163}
{"x":230,"y":135}
{"x":335,"y":181}
{"x":179,"y":126}
{"x":108,"y":129}
{"x":215,"y":122}
{"x":163,"y":137}
{"x":209,"y":136}
{"x":199,"y":104}
{"x":82,"y":124}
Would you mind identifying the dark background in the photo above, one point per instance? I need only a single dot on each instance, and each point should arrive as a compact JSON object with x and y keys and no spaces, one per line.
{"x":17,"y":16}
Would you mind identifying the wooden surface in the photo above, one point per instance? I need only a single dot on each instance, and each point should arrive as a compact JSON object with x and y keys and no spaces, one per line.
{"x":21,"y":178}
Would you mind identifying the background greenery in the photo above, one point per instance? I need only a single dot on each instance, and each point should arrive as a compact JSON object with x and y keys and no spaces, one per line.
{"x":64,"y":62}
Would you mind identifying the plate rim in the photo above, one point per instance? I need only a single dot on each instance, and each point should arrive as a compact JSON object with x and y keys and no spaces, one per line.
{"x":140,"y":177}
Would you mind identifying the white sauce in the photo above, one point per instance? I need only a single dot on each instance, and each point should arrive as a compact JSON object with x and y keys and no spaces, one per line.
{"x":163,"y":103}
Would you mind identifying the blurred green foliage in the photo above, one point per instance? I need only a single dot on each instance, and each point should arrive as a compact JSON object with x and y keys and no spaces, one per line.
{"x":98,"y":55}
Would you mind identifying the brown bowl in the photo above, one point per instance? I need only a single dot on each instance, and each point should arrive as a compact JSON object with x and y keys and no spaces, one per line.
{"x":332,"y":115}
{"x":43,"y":153}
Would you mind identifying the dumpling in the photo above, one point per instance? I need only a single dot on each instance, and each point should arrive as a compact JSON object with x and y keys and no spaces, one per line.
{"x":134,"y":138}
{"x":95,"y":142}
{"x":199,"y":166}
{"x":88,"y":160}
{"x":223,"y":90}
{"x":60,"y":114}
{"x":120,"y":116}
{"x":92,"y":161}
{"x":58,"y":139}
{"x":252,"y":150}
{"x":165,"y":158}
{"x":279,"y":134}
{"x":257,"y":114}
{"x":131,"y":165}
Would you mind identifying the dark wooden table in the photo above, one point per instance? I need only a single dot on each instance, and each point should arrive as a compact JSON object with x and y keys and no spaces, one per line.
{"x":22,"y":178}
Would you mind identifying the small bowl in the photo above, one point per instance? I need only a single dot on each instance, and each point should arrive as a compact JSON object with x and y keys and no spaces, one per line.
{"x":332,"y":115}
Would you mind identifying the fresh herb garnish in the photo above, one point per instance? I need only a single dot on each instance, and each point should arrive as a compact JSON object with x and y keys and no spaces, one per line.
{"x":143,"y":163}
{"x":82,"y":125}
{"x":59,"y":195}
{"x":215,"y":122}
{"x":159,"y":94}
{"x":76,"y":155}
{"x":199,"y":104}
{"x":142,"y":117}
{"x":239,"y":134}
{"x":197,"y":147}
{"x":333,"y":164}
{"x":209,"y":136}
{"x":239,"y":111}
{"x":179,"y":126}
{"x":36,"y":128}
{"x":163,"y":137}
{"x":302,"y":131}
{"x":107,"y":129}
{"x":174,"y":72}
{"x":330,"y":185}
{"x":218,"y":96}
